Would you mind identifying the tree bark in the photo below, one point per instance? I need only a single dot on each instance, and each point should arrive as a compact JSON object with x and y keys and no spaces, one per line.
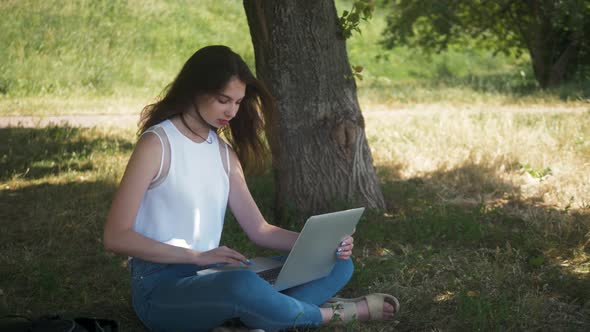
{"x":550,"y":63}
{"x":319,"y":150}
{"x":551,"y":50}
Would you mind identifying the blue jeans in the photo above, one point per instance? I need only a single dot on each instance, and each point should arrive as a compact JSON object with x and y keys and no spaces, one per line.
{"x":171,"y":297}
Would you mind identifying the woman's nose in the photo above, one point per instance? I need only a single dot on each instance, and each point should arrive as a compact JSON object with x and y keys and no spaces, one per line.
{"x":232,"y":110}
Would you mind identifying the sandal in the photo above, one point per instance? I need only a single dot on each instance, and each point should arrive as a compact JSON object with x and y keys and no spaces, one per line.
{"x":346,"y":308}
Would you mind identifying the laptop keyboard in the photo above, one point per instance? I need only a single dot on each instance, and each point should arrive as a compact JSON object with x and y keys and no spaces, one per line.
{"x":270,"y":275}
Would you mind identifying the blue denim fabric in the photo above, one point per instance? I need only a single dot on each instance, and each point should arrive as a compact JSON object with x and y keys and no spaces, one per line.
{"x":171,"y":297}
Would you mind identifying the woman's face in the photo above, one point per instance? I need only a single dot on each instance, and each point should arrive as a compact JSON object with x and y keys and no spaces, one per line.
{"x":218,"y":109}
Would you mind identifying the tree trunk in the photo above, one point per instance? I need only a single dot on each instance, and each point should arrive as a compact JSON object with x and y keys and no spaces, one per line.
{"x":551,"y":49}
{"x":320,"y":153}
{"x":550,"y":67}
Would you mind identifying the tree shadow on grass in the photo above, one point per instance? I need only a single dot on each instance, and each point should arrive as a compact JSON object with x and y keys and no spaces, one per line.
{"x":53,"y":260}
{"x":535,"y":254}
{"x":34,"y":153}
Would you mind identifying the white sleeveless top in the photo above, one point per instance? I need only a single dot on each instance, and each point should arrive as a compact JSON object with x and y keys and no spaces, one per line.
{"x":187,"y":206}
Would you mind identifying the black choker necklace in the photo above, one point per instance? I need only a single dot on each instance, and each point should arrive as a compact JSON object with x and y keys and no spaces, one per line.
{"x":209,"y":141}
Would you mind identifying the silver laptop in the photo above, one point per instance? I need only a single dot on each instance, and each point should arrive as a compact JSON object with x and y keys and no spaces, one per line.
{"x":313,"y":256}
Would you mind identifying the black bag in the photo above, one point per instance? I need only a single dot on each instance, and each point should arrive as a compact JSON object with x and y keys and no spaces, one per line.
{"x":55,"y":323}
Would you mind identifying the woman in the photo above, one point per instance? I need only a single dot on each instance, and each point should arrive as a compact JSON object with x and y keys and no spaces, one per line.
{"x":168,"y":211}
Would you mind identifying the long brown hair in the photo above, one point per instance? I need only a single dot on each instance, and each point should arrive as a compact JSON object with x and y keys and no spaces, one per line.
{"x":207,"y":72}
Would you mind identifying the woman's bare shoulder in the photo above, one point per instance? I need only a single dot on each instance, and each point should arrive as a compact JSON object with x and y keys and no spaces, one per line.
{"x":147,"y":154}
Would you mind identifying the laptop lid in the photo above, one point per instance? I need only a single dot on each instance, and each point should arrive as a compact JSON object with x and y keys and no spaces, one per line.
{"x":314,"y":254}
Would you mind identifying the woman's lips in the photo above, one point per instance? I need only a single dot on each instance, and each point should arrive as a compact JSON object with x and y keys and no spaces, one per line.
{"x":223,"y":122}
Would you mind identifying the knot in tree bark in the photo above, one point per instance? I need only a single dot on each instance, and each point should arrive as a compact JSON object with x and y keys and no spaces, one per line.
{"x":345,"y":134}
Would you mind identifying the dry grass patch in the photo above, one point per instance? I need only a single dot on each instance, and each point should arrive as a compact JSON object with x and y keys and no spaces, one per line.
{"x":543,"y":156}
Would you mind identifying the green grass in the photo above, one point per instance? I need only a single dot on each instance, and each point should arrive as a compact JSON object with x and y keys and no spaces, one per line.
{"x":58,"y":55}
{"x":109,"y":48}
{"x":466,"y":242}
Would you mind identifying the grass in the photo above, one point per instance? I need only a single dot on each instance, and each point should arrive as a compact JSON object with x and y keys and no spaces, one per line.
{"x":114,"y":48}
{"x":71,"y":57}
{"x":478,"y":234}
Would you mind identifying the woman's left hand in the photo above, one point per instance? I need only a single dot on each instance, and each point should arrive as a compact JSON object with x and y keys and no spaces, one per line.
{"x":344,"y":250}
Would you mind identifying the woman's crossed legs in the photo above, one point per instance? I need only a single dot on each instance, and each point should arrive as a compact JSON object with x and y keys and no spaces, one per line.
{"x":200,"y":303}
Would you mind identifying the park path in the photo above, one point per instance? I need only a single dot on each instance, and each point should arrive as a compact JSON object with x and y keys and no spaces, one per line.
{"x":128,"y":120}
{"x":75,"y":120}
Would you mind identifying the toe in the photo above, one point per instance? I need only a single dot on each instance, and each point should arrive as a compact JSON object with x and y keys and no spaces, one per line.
{"x":387,"y":310}
{"x":387,"y":307}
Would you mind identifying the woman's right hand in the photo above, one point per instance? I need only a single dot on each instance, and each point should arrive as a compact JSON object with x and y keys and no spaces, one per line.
{"x":221,"y":254}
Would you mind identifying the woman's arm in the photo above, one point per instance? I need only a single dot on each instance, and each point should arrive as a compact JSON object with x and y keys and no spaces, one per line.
{"x":248,"y":215}
{"x":119,"y":236}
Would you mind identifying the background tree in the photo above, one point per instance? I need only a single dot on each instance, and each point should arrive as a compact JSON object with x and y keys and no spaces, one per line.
{"x":555,"y":33}
{"x":319,"y":149}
